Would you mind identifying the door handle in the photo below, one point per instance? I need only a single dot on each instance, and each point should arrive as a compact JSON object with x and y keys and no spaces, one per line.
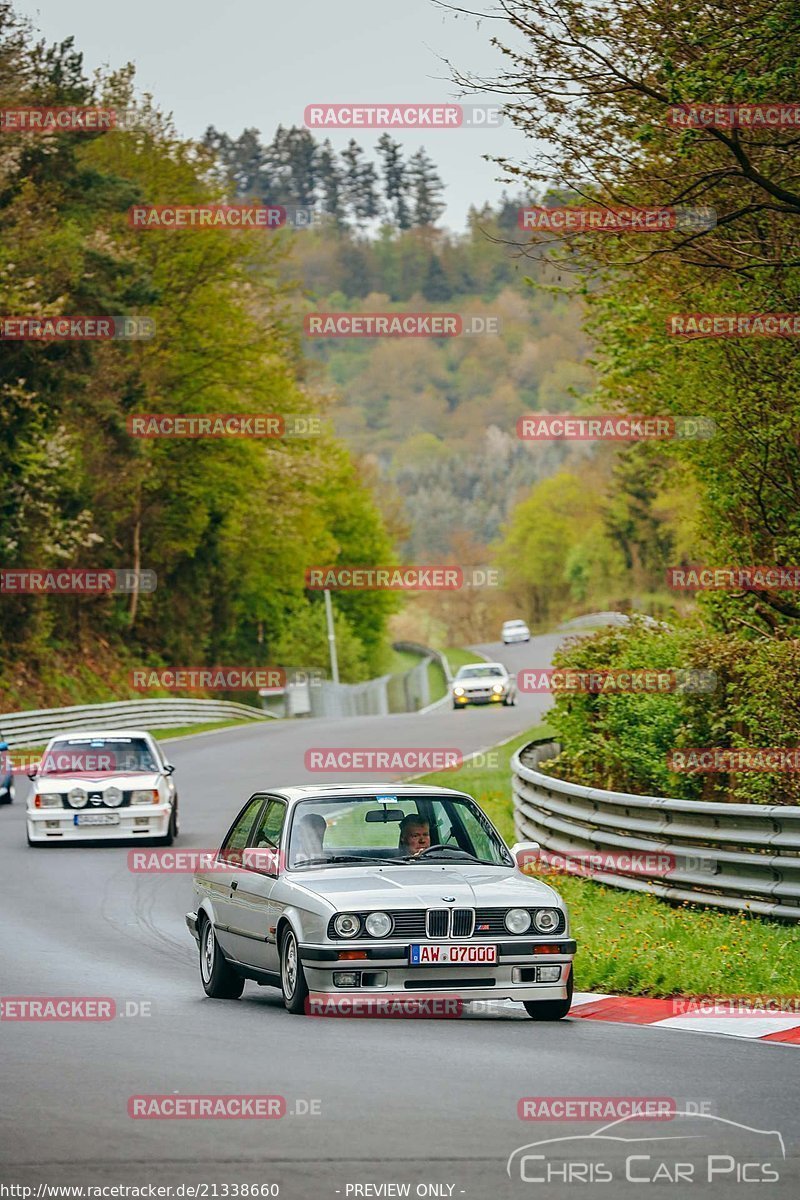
{"x":234,"y":885}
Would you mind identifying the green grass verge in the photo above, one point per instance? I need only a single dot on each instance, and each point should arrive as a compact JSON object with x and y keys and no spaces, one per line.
{"x":636,"y":944}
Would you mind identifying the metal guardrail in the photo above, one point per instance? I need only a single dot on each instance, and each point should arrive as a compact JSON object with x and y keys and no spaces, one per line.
{"x":733,"y":856}
{"x":39,"y":725}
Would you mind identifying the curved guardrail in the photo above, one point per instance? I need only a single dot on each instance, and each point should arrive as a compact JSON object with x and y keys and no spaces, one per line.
{"x":733,"y":856}
{"x":36,"y":726}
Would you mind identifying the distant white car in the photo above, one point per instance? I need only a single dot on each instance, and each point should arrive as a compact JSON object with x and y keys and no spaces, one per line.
{"x":110,"y":784}
{"x":515,"y":631}
{"x":483,"y":683}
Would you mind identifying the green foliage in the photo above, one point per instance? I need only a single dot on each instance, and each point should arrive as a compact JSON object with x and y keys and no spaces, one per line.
{"x":228,"y":526}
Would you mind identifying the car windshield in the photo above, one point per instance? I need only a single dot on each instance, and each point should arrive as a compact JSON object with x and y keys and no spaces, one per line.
{"x":74,"y":756}
{"x":398,"y":829}
{"x":479,"y":671}
{"x":514,"y":625}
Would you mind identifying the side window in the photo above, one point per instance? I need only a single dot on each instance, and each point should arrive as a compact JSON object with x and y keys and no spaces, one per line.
{"x":269,"y":830}
{"x":237,"y":839}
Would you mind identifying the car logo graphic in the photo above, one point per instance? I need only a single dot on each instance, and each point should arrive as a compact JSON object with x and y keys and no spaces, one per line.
{"x":448,"y":899}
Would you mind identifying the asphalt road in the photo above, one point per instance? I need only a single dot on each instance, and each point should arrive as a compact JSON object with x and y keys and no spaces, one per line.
{"x":418,"y":1102}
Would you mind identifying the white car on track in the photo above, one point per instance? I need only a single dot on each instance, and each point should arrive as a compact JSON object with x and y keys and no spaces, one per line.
{"x":483,"y":683}
{"x":110,"y":784}
{"x":515,"y":631}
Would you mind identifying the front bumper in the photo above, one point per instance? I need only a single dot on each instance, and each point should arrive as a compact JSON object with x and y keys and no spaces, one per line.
{"x":494,"y":698}
{"x":135,"y":821}
{"x":385,"y":970}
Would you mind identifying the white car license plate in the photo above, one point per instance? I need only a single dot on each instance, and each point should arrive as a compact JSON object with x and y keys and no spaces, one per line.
{"x":96,"y":818}
{"x":422,"y":953}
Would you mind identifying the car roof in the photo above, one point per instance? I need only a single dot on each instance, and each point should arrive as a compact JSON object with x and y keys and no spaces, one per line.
{"x":315,"y":791}
{"x":483,"y":664}
{"x":102,"y":733}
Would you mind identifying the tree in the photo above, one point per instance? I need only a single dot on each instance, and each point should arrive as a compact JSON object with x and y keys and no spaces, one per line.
{"x":360,"y":185}
{"x":396,"y":183}
{"x":426,"y":189}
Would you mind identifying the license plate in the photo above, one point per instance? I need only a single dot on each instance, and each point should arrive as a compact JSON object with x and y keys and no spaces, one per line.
{"x":96,"y":818}
{"x":423,"y":953}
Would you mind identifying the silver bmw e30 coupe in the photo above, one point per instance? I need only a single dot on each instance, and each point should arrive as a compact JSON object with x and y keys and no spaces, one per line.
{"x":376,"y":890}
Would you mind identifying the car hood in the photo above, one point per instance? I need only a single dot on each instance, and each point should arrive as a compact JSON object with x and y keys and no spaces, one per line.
{"x":425,"y":887}
{"x":98,"y":781}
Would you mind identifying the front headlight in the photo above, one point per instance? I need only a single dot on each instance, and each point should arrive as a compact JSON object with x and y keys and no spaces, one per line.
{"x":346,"y":925}
{"x":458,"y":691}
{"x":517,"y":920}
{"x":142,"y":797}
{"x":379,"y":924}
{"x":546,"y":919}
{"x":113,"y":797}
{"x":49,"y":800}
{"x":77,"y":797}
{"x":498,"y":688}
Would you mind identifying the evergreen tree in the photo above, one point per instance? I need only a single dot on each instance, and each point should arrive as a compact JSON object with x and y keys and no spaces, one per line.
{"x":395,"y":181}
{"x":360,"y":185}
{"x":426,"y":188}
{"x":330,"y":182}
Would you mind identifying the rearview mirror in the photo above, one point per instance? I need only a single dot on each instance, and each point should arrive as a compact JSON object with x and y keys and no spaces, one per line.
{"x":384,"y":814}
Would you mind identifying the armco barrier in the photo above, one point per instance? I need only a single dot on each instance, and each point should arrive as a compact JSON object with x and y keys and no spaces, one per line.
{"x":733,"y":856}
{"x":37,"y":726}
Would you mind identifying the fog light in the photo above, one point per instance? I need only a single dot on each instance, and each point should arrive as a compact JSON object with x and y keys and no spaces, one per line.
{"x":347,"y":979}
{"x":548,"y":974}
{"x":141,"y":820}
{"x":52,"y":824}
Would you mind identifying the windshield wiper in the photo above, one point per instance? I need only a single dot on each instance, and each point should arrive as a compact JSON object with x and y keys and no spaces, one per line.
{"x":339,"y":858}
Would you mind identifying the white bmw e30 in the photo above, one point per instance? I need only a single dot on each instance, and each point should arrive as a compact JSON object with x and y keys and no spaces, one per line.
{"x":97,"y":785}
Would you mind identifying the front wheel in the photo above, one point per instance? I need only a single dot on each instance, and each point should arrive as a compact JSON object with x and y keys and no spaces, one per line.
{"x":220,"y":981}
{"x":550,"y":1010}
{"x":293,"y":978}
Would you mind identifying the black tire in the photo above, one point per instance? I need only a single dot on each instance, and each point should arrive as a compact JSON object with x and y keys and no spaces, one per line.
{"x":293,"y":978}
{"x":9,"y":797}
{"x":459,"y":707}
{"x":219,"y":979}
{"x":550,"y":1010}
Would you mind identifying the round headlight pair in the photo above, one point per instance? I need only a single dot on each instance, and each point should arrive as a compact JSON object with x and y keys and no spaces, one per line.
{"x":377,"y":924}
{"x":545,"y":920}
{"x":77,"y":797}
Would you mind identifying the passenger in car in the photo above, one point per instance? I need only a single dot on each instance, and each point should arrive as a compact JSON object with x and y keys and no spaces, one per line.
{"x":415,"y":834}
{"x":310,"y":832}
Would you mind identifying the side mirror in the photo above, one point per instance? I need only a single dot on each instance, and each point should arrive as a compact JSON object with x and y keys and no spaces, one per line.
{"x":34,"y":771}
{"x":526,"y":854}
{"x":168,"y":768}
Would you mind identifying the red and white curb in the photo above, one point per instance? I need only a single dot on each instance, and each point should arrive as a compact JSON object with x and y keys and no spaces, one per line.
{"x":642,"y":1010}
